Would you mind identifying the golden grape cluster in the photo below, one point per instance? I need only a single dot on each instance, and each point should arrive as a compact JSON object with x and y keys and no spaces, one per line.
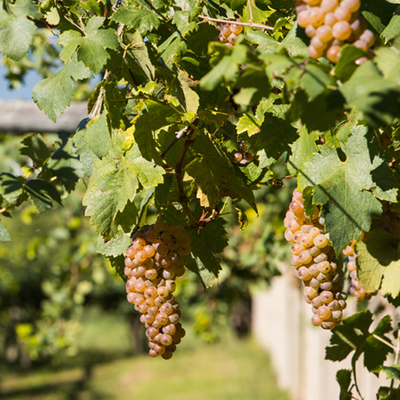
{"x":332,"y":23}
{"x":315,"y":264}
{"x":228,"y":33}
{"x":152,"y":263}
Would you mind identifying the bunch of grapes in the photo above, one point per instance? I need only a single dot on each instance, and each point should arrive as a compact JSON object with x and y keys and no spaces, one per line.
{"x":228,"y":33}
{"x":315,"y":264}
{"x":355,"y":289}
{"x":332,"y":23}
{"x":152,"y":263}
{"x":243,"y":156}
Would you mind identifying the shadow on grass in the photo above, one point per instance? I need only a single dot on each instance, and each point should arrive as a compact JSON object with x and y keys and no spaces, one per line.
{"x":67,"y":390}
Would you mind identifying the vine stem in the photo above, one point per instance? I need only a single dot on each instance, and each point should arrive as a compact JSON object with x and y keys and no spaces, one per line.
{"x":251,"y":13}
{"x":224,"y":21}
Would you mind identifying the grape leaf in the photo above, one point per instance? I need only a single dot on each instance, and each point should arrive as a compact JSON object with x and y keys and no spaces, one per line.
{"x":301,"y":149}
{"x":387,"y":59}
{"x":134,"y":60}
{"x":215,"y":175}
{"x":272,"y":141}
{"x":91,"y":47}
{"x":53,"y":94}
{"x":114,"y":247}
{"x":64,"y":163}
{"x":35,"y":147}
{"x":252,"y":123}
{"x":98,"y":137}
{"x":379,"y":263}
{"x":155,"y":117}
{"x":42,"y":194}
{"x":342,"y":188}
{"x":346,"y":65}
{"x":392,"y":372}
{"x":144,"y":20}
{"x":354,"y":335}
{"x":379,"y":107}
{"x":343,"y":376}
{"x":114,"y":182}
{"x":16,"y":31}
{"x":210,"y":240}
{"x":119,"y":265}
{"x":392,"y":30}
{"x":4,"y":235}
{"x":11,"y":188}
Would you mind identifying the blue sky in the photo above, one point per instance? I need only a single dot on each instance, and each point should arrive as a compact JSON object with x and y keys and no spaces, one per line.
{"x":24,"y":92}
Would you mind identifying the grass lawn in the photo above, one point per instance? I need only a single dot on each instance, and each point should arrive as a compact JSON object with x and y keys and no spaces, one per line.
{"x":230,"y":369}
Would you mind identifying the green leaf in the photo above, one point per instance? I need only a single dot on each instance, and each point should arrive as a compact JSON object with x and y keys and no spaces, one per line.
{"x":252,"y":123}
{"x":91,"y":47}
{"x":379,"y":262}
{"x":354,"y":335}
{"x":253,"y":87}
{"x":272,"y":141}
{"x":64,"y":163}
{"x":205,"y":244}
{"x":388,"y":393}
{"x":346,"y":65}
{"x":379,"y":107}
{"x":134,"y":60}
{"x":157,"y":116}
{"x":53,"y":94}
{"x":16,"y":31}
{"x":36,"y":149}
{"x":387,"y":59}
{"x":301,"y":149}
{"x":4,"y":235}
{"x":119,"y":265}
{"x":144,"y":20}
{"x":215,"y":175}
{"x":114,"y":182}
{"x":187,"y":97}
{"x":343,"y":376}
{"x":343,"y":187}
{"x":98,"y":136}
{"x":114,"y":247}
{"x":392,"y":372}
{"x":42,"y":194}
{"x":11,"y":188}
{"x":392,"y":30}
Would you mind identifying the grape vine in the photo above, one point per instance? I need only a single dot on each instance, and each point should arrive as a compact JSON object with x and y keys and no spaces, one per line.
{"x":201,"y":104}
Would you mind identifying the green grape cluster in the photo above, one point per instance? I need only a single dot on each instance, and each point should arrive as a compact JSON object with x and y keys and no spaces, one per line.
{"x":153,"y":261}
{"x":315,"y":264}
{"x":332,"y":23}
{"x":228,"y":33}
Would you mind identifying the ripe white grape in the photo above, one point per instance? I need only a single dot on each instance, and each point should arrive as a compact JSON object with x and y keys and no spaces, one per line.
{"x":151,"y":264}
{"x":315,"y":263}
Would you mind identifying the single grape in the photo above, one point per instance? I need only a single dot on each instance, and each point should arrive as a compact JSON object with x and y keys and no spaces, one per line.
{"x":328,"y":5}
{"x":321,"y":241}
{"x":330,"y":19}
{"x":333,"y":54}
{"x":236,"y":29}
{"x":341,"y":30}
{"x":313,"y":53}
{"x":324,"y":33}
{"x":342,"y":13}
